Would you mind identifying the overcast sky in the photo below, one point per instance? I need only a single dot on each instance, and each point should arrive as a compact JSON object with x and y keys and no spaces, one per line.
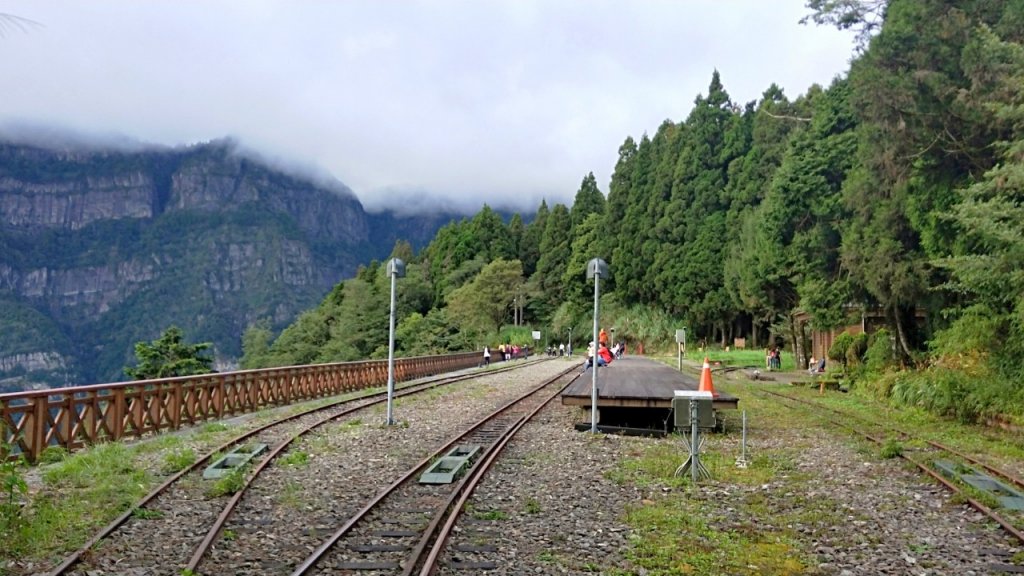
{"x":504,"y":102}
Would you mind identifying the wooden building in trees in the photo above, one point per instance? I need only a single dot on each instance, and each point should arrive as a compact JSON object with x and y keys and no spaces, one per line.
{"x":870,"y":321}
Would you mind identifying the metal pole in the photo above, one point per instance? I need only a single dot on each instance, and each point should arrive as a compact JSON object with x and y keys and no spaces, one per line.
{"x":569,"y":351}
{"x":391,"y":353}
{"x":744,"y":444}
{"x":694,"y":444}
{"x":593,"y":361}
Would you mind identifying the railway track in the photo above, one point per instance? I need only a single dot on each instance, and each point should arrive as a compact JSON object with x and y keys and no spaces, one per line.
{"x":179,"y":519}
{"x":923,"y":453}
{"x":405,"y":528}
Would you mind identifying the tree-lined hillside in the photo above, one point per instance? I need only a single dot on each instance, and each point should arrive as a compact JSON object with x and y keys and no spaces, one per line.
{"x":896,"y":188}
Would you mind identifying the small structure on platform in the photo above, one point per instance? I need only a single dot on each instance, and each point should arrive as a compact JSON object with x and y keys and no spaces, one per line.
{"x":636,"y":396}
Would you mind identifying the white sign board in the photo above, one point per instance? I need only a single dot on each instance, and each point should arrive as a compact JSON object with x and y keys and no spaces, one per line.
{"x":536,"y":335}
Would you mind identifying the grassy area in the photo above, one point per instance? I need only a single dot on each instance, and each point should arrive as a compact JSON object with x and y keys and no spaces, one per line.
{"x":732,"y":524}
{"x":739,"y":358}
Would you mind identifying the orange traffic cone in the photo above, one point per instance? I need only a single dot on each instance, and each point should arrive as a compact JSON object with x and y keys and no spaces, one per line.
{"x":705,"y":379}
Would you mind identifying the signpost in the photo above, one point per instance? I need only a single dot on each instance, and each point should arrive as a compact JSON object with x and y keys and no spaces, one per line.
{"x":681,"y":345}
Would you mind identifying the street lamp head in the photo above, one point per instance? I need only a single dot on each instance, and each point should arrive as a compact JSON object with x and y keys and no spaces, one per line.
{"x":395,"y":267}
{"x":597,"y":267}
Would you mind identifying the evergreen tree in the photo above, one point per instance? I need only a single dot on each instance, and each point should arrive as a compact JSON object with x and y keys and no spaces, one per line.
{"x":555,"y":249}
{"x":490,"y":236}
{"x":619,"y":198}
{"x":691,"y":230}
{"x":578,"y":293}
{"x":589,"y":200}
{"x":529,"y":249}
{"x":169,"y":356}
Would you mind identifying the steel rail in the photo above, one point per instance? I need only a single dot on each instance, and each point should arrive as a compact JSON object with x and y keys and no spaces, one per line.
{"x":204,"y":546}
{"x":373,"y":504}
{"x":972,"y":459}
{"x":471,"y":482}
{"x":992,"y":514}
{"x":374,"y":397}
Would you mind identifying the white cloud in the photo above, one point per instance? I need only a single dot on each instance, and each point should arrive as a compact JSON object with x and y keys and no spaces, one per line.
{"x":473,"y":100}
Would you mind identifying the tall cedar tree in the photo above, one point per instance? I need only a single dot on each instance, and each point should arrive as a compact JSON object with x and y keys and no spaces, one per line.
{"x":554,"y":253}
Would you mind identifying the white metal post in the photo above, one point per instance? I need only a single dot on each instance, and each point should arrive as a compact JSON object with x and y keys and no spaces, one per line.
{"x":391,"y":352}
{"x":395,"y":268}
{"x":593,"y":362}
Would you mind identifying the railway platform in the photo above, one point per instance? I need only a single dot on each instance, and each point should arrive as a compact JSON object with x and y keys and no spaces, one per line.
{"x":634,"y":395}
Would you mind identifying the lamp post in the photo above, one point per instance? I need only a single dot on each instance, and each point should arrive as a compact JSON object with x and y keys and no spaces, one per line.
{"x":595,"y":269}
{"x":569,"y":351}
{"x":395,"y":269}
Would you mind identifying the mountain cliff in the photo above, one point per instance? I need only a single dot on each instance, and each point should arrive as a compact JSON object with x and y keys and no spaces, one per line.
{"x":100,"y":249}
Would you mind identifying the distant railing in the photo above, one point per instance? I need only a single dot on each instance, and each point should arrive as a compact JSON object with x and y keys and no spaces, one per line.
{"x":79,"y":416}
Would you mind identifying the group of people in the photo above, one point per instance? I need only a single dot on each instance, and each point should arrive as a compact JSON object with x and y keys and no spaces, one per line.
{"x":507,"y":352}
{"x":773,"y":358}
{"x":604,"y":354}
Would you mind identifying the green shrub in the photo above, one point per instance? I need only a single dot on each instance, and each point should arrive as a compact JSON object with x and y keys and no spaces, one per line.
{"x":837,"y":352}
{"x":879,"y":354}
{"x":969,"y":341}
{"x":940,"y":391}
{"x":856,"y":349}
{"x":13,"y":487}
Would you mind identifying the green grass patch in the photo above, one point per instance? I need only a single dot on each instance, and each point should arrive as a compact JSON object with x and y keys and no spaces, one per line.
{"x":671,"y":538}
{"x":178,"y":460}
{"x":157,"y":443}
{"x":735,"y":357}
{"x":147,"y":514}
{"x":87,"y":489}
{"x":213,"y":427}
{"x":291,"y":495}
{"x":228,"y":484}
{"x":53,"y":454}
{"x":296,"y":458}
{"x":490,"y":515}
{"x":891,"y":449}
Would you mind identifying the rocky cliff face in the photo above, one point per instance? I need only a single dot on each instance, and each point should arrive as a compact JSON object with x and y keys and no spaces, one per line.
{"x":101,"y":249}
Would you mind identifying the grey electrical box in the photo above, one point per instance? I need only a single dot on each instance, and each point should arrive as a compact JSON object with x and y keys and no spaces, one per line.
{"x":681,"y":409}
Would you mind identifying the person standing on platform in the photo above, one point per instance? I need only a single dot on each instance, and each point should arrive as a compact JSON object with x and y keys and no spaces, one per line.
{"x":487,"y":356}
{"x":602,"y":337}
{"x":561,"y":348}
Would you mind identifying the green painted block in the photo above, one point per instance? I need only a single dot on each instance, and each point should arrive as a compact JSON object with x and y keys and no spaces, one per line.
{"x":444,"y":471}
{"x":231,"y":461}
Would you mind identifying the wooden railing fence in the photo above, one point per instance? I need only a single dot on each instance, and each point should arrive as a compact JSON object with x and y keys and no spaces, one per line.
{"x":77,"y":416}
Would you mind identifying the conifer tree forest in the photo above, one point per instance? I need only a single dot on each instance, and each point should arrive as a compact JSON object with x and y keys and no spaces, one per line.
{"x":896,"y":188}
